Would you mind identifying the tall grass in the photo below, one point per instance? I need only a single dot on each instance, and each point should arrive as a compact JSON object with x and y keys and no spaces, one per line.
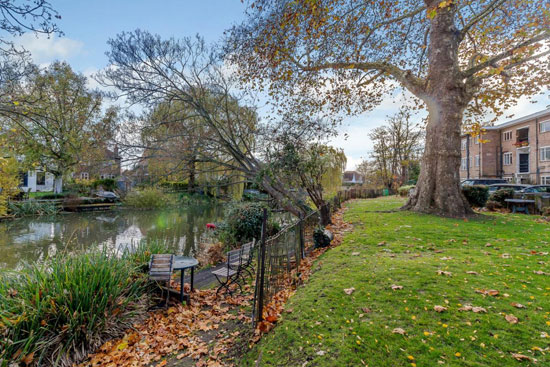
{"x":55,"y":314}
{"x":148,"y":198}
{"x":32,"y":207}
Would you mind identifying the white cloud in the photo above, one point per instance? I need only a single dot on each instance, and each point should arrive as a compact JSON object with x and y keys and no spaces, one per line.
{"x":45,"y":50}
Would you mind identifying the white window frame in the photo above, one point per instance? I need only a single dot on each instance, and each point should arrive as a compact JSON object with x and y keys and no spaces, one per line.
{"x":507,"y":135}
{"x":464,"y":164}
{"x":464,"y":143}
{"x":546,"y":128}
{"x":477,"y":160}
{"x":545,"y":180}
{"x":544,"y":154}
{"x":507,"y":159}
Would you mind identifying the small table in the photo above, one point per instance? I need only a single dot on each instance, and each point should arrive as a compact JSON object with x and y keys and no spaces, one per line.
{"x":181,"y":263}
{"x":520,"y":205}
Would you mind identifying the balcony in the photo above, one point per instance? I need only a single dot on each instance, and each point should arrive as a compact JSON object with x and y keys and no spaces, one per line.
{"x":522,"y":137}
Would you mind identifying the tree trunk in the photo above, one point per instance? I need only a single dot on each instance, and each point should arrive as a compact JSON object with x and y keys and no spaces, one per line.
{"x":438,"y":189}
{"x":192,"y":172}
{"x":325,"y":219}
{"x":58,"y":184}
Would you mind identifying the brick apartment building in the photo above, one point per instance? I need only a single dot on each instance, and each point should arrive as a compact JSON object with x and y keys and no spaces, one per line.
{"x":517,"y":150}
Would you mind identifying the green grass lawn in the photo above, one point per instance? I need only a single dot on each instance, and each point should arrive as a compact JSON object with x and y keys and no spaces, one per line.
{"x":434,"y":260}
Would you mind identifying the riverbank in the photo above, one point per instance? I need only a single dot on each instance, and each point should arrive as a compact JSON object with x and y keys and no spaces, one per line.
{"x":406,"y":289}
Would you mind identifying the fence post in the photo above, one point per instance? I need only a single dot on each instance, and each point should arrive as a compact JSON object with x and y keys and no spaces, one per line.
{"x":261,"y":267}
{"x":302,"y":238}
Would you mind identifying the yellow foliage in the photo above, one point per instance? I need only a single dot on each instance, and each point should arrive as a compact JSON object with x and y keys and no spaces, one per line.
{"x":9,"y":181}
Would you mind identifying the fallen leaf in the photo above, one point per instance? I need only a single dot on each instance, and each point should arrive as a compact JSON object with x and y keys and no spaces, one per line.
{"x":349,"y":291}
{"x":511,"y":319}
{"x":381,"y":243}
{"x":355,"y":253}
{"x":398,"y":330}
{"x":522,"y":357}
{"x":440,"y":308}
{"x":488,"y":292}
{"x":396,"y":287}
{"x":28,"y":359}
{"x":517,"y":305}
{"x":321,"y":353}
{"x":472,"y":272}
{"x":366,"y":310}
{"x":446,"y":273}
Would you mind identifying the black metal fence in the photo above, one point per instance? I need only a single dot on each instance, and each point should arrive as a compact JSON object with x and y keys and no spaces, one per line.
{"x":280,"y":255}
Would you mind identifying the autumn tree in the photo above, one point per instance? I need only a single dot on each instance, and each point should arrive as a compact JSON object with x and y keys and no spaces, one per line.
{"x":18,"y":17}
{"x":315,"y":167}
{"x":149,"y":71}
{"x":55,"y":121}
{"x":397,"y":147}
{"x":459,"y":58}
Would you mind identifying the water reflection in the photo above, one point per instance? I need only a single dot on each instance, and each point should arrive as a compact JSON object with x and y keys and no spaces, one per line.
{"x":34,"y":239}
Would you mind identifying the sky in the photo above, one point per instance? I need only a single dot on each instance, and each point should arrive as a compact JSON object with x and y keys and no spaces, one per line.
{"x":88,"y":25}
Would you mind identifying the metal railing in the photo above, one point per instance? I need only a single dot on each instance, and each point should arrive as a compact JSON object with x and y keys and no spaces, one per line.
{"x":280,"y":256}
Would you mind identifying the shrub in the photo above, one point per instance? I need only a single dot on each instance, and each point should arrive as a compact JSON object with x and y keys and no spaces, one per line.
{"x":493,"y":205}
{"x":404,"y":190}
{"x":108,"y":184}
{"x":32,"y":207}
{"x":174,"y":185}
{"x":501,"y":195}
{"x":56,"y":313}
{"x":546,"y":211}
{"x":148,"y":198}
{"x":476,"y":195}
{"x":243,"y":222}
{"x":81,"y":187}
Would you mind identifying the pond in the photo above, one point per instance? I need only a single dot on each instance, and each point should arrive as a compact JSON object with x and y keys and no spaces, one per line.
{"x":34,"y":239}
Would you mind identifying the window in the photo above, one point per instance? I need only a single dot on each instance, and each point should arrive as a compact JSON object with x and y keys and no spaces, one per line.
{"x":464,"y":164}
{"x":477,"y":160}
{"x":545,"y":126}
{"x":40,"y":178}
{"x":507,"y":159}
{"x":545,"y":153}
{"x":507,"y":136}
{"x":471,"y":161}
{"x":545,"y":180}
{"x":464,"y":142}
{"x":84,"y":175}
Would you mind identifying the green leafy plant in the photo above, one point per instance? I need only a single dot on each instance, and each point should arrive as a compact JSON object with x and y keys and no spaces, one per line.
{"x":501,"y":195}
{"x":147,"y":198}
{"x":404,"y":190}
{"x":243,"y":222}
{"x":32,"y":207}
{"x":108,"y":184}
{"x":476,"y":195}
{"x":54,"y":314}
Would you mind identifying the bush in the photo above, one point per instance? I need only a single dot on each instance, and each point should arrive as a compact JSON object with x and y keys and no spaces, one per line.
{"x":148,"y":198}
{"x":501,"y":195}
{"x":81,"y":187}
{"x":56,"y":313}
{"x":404,"y":190}
{"x":175,"y":185}
{"x":546,"y":211}
{"x":108,"y":184}
{"x":243,"y":222}
{"x":476,"y":195}
{"x":492,"y":205}
{"x":32,"y":207}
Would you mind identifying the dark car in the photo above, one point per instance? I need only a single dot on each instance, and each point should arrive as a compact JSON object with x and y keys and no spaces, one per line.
{"x":515,"y":187}
{"x":544,"y":189}
{"x":483,"y":181}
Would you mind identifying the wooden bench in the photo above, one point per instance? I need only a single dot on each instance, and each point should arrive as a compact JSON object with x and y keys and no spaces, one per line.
{"x":520,"y":205}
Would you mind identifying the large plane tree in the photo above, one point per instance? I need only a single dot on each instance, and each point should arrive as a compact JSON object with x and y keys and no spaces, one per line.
{"x":461,"y":59}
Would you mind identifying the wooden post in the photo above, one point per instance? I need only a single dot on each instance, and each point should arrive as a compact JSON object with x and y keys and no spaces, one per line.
{"x":302,"y":237}
{"x":261,"y":266}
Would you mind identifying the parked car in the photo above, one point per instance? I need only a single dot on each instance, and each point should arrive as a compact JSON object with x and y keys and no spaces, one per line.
{"x":537,"y":189}
{"x":515,"y":187}
{"x":482,"y":181}
{"x":109,"y":196}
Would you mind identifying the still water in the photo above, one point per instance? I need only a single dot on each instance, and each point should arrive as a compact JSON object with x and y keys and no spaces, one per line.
{"x":34,"y":239}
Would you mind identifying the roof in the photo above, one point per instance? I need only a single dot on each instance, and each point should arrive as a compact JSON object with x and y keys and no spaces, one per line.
{"x":519,"y":120}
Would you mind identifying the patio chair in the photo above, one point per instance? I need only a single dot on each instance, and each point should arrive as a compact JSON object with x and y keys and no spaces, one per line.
{"x":230,"y":271}
{"x":247,"y":255}
{"x":160,"y":270}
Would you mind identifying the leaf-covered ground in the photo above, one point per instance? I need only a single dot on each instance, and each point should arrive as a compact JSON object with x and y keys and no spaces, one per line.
{"x":406,"y":289}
